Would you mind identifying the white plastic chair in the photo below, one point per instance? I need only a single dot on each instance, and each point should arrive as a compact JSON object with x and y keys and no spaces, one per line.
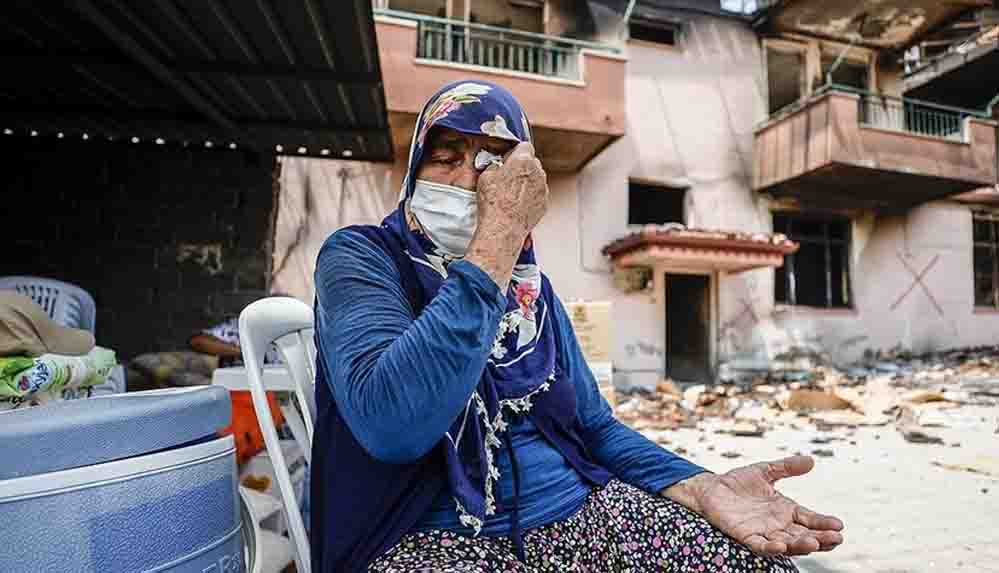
{"x":284,"y":321}
{"x":65,"y":303}
{"x":264,"y":551}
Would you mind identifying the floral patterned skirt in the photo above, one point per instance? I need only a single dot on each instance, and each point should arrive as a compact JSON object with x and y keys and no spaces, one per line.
{"x":620,"y":528}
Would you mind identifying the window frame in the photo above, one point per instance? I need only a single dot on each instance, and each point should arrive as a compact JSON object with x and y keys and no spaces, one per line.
{"x":674,"y":28}
{"x":827,"y":240}
{"x":993,"y":245}
{"x":654,"y":187}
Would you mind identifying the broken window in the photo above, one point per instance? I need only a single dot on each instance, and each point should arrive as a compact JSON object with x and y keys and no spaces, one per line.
{"x":436,"y":8}
{"x":654,"y":204}
{"x":785,"y":77}
{"x":657,"y":32}
{"x":986,"y":255}
{"x":515,"y":14}
{"x":847,"y":73}
{"x":818,"y":274}
{"x":742,"y":6}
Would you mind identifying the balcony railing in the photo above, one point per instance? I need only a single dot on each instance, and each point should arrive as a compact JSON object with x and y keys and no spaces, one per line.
{"x":844,"y":147}
{"x":904,"y":115}
{"x":456,"y":42}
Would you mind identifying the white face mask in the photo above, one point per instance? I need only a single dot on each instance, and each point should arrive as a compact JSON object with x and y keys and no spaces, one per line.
{"x":447,"y":215}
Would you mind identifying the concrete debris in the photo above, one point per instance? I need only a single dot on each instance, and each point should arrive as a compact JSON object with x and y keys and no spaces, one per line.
{"x":806,"y":392}
{"x":982,"y":465}
{"x":922,"y":396}
{"x":811,"y":401}
{"x":692,"y":396}
{"x":907,"y":423}
{"x":669,"y":388}
{"x":750,"y":429}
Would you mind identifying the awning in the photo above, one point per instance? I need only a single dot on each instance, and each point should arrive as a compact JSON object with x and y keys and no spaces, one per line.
{"x":296,"y":76}
{"x":681,"y":249}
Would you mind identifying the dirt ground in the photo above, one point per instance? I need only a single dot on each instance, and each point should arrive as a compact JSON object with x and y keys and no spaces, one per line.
{"x":903,"y":513}
{"x":906,"y":450}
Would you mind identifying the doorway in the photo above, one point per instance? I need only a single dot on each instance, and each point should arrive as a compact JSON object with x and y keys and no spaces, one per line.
{"x":688,"y":327}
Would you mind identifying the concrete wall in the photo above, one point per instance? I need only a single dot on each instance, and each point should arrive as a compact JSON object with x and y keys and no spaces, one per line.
{"x":690,"y":118}
{"x":319,"y":196}
{"x":167,"y":240}
{"x":691,"y":114}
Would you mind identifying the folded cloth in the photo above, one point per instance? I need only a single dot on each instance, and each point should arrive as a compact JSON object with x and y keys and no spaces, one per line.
{"x":25,"y":329}
{"x":21,"y":378}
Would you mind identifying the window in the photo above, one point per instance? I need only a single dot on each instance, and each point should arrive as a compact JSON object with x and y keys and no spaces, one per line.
{"x":819,"y":273}
{"x":741,"y":6}
{"x":653,"y":31}
{"x":654,"y":204}
{"x":986,"y":255}
{"x":847,"y":73}
{"x":785,"y":77}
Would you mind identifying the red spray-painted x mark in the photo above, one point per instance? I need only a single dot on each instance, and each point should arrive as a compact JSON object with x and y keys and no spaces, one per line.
{"x":918,"y":281}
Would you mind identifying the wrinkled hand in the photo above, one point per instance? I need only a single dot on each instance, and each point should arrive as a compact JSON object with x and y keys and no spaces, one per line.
{"x":513,"y":197}
{"x":744,"y":504}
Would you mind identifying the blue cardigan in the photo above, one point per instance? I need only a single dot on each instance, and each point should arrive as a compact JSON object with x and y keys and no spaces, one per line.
{"x":375,"y":473}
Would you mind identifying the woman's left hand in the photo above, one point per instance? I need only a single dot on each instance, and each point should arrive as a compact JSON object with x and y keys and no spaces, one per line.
{"x":744,"y":504}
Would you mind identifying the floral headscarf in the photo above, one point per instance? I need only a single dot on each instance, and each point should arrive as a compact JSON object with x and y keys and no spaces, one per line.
{"x":523,"y":357}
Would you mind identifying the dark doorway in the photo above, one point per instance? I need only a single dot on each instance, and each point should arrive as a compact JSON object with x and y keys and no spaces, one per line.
{"x":688,"y":328}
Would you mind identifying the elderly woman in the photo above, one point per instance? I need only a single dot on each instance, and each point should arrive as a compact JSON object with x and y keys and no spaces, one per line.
{"x":459,"y":428}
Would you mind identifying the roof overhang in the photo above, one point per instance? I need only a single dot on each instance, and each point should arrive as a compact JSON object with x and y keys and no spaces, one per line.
{"x":680,"y":249}
{"x":298,"y":76}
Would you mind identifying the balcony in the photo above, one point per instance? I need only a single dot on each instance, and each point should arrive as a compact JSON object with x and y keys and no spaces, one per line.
{"x":843,"y":148}
{"x":419,"y":54}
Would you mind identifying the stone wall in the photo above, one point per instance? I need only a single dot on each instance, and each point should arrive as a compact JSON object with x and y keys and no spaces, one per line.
{"x":168,"y":240}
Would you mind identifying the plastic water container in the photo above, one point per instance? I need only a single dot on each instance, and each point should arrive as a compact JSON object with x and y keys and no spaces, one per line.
{"x":121,"y":483}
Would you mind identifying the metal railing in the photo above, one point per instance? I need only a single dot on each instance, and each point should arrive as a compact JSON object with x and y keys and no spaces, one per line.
{"x":494,"y":47}
{"x":899,"y":114}
{"x":915,"y":116}
{"x":905,"y":115}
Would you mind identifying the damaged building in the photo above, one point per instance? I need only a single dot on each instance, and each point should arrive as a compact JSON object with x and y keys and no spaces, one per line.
{"x":743,"y":181}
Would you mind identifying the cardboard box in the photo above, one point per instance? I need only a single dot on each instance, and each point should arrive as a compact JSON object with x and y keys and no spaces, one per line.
{"x":592,"y":323}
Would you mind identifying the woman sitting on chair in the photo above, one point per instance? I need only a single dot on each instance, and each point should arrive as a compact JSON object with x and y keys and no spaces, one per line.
{"x":459,"y":427}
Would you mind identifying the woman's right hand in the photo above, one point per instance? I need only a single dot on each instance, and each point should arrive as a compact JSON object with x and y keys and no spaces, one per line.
{"x":513,"y":196}
{"x":512,"y":199}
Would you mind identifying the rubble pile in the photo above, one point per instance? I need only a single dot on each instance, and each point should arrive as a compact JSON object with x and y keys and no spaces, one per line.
{"x":913,"y":393}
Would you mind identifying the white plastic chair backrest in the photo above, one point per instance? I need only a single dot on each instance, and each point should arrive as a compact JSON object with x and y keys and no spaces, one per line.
{"x":300,"y":362}
{"x":65,"y":303}
{"x":261,"y":323}
{"x":251,"y":533}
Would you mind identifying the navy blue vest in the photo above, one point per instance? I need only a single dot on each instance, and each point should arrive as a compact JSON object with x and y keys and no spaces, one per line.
{"x":362,"y":507}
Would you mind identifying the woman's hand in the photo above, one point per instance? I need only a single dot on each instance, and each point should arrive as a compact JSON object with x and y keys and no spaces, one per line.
{"x":744,"y":504}
{"x":512,"y":198}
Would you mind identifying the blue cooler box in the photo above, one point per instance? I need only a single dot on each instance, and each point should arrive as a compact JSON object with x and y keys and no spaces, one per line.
{"x":127,"y":482}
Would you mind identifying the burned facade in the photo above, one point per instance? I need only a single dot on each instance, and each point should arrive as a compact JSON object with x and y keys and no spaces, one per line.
{"x":744,"y":182}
